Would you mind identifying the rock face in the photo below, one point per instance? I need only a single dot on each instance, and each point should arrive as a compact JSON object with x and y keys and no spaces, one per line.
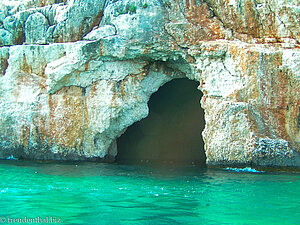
{"x":75,"y":74}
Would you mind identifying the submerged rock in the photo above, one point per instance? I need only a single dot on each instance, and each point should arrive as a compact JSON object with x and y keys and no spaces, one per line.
{"x":77,"y":73}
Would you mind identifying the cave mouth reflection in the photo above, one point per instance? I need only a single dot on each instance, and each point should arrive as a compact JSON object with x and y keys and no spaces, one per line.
{"x":172,"y":132}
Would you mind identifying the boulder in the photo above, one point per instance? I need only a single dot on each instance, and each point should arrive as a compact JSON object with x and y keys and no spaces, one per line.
{"x":35,"y":29}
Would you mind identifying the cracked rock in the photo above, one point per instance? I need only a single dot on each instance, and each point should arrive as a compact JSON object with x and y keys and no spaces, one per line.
{"x":101,"y":32}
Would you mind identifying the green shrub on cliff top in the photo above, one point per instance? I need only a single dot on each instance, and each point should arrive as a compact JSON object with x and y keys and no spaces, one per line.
{"x":131,"y":9}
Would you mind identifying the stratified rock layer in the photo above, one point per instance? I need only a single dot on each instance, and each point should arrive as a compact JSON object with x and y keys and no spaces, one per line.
{"x":75,"y":74}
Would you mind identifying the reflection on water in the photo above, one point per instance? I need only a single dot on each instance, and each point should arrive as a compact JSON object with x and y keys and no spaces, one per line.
{"x":94,"y":193}
{"x":172,"y":131}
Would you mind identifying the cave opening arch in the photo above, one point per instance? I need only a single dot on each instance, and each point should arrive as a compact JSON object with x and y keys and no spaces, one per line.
{"x":171,"y":133}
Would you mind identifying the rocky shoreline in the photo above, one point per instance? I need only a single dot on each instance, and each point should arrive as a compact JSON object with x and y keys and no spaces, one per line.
{"x":74,"y":75}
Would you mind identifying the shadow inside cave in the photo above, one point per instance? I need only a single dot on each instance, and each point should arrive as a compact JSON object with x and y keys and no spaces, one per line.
{"x":172,"y":132}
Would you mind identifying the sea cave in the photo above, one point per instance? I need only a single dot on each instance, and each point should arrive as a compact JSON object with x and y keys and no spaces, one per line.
{"x":172,"y":132}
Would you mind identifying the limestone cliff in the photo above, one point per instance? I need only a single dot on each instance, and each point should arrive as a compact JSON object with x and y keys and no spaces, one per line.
{"x":74,"y":74}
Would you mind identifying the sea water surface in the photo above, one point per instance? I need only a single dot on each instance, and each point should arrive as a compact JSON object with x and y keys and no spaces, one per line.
{"x":97,"y":193}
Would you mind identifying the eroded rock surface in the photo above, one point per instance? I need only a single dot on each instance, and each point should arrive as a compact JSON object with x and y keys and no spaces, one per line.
{"x":75,"y":74}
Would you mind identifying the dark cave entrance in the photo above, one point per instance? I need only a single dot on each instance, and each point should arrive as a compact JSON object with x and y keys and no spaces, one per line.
{"x":171,"y":134}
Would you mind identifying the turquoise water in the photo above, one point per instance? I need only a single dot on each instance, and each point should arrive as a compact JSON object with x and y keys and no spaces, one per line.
{"x":94,"y":193}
